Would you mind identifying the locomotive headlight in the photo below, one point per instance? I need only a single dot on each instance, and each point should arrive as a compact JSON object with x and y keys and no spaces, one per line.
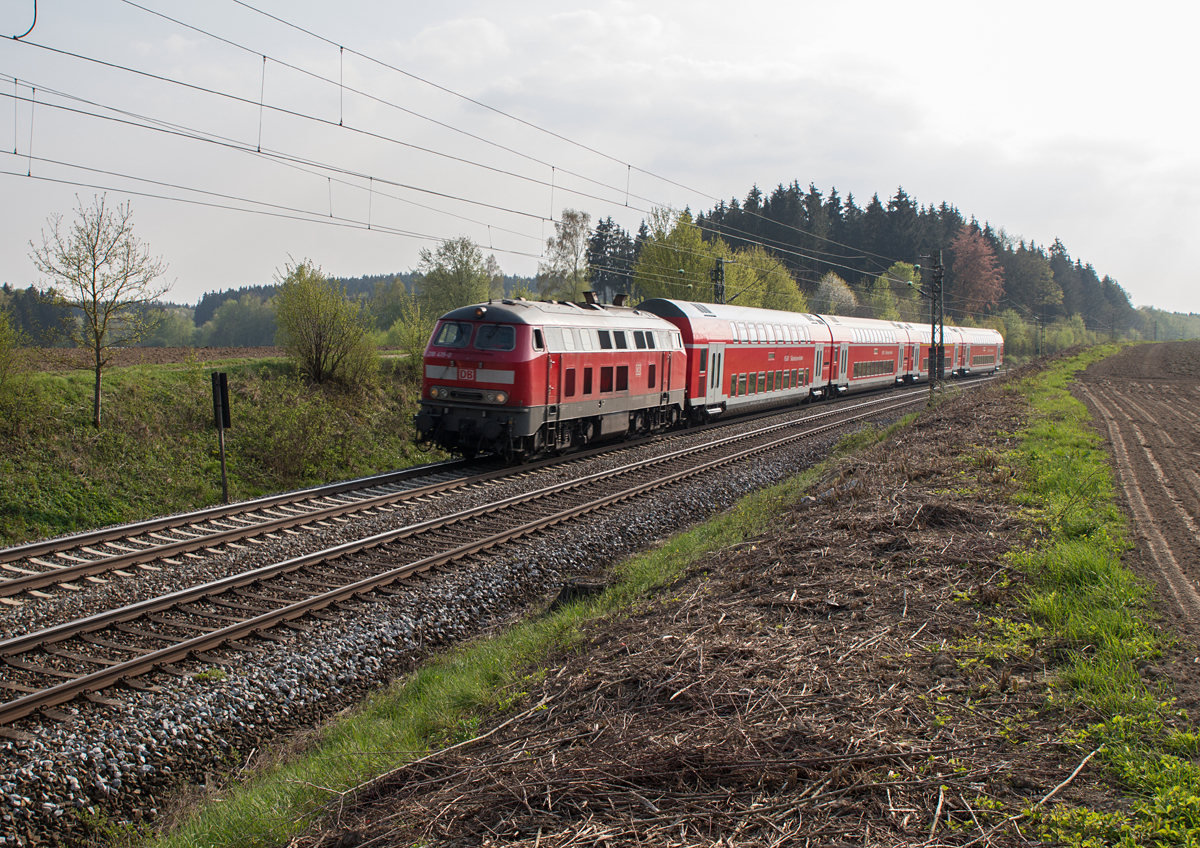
{"x":501,"y":397}
{"x":490,"y":397}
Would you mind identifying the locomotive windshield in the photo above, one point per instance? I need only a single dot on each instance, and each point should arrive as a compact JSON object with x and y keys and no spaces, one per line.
{"x":495,"y":337}
{"x":453,"y":334}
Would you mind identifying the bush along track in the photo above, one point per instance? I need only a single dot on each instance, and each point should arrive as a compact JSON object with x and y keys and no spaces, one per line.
{"x":928,"y":641}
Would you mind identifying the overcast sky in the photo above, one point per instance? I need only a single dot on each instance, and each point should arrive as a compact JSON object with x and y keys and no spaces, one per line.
{"x":1069,"y":120}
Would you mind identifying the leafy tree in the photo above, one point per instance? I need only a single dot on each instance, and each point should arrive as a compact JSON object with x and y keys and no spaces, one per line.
{"x":756,"y":277}
{"x":454,"y":275}
{"x":833,"y":296}
{"x":175,"y":329}
{"x":248,"y":321}
{"x":674,"y":262}
{"x":410,"y":333}
{"x":323,"y":331}
{"x":978,"y":278}
{"x":495,"y":278}
{"x":99,"y":268}
{"x":16,"y":394}
{"x":387,"y":302}
{"x":564,"y":277}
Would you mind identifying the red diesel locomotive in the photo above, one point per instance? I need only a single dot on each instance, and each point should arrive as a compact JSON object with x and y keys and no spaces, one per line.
{"x":519,"y":378}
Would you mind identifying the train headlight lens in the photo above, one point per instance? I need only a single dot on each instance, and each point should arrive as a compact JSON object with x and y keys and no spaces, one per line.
{"x":490,"y":397}
{"x":501,"y":397}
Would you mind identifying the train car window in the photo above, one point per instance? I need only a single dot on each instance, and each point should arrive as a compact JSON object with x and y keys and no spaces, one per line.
{"x":753,"y":386}
{"x":703,"y":360}
{"x":639,"y":339}
{"x":787,"y":379}
{"x":585,"y":336}
{"x":779,"y":379}
{"x":762,"y":333}
{"x":569,"y":383}
{"x":622,"y":378}
{"x":587,"y":381}
{"x":569,"y":339}
{"x":606,"y":379}
{"x":733,"y":385}
{"x":622,"y":342}
{"x":742,"y":335}
{"x":733,"y":332}
{"x":741,"y":384}
{"x":453,"y":334}
{"x":717,"y":369}
{"x":554,"y":342}
{"x":762,"y":381}
{"x":753,"y":337}
{"x":650,"y":376}
{"x":770,"y":384}
{"x":496,"y":337}
{"x":605,"y":341}
{"x":769,"y":334}
{"x":538,"y":342}
{"x":678,"y":341}
{"x":780,"y":333}
{"x":650,"y":339}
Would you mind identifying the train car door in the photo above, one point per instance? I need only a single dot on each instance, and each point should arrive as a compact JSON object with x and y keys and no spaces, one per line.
{"x":818,"y":374}
{"x":844,"y":365}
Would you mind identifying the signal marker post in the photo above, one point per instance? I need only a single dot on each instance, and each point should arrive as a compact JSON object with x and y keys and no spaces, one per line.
{"x":220,"y":386}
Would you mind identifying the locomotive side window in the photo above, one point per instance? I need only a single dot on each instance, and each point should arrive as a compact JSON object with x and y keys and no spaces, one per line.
{"x":587,"y":381}
{"x":622,"y":378}
{"x":650,"y":339}
{"x":538,"y":342}
{"x":639,"y":339}
{"x":569,"y":339}
{"x":496,"y":337}
{"x":606,"y":379}
{"x":569,"y":383}
{"x":453,"y":334}
{"x":586,"y":337}
{"x":622,"y":342}
{"x":554,"y":342}
{"x":605,"y":341}
{"x":650,"y":377}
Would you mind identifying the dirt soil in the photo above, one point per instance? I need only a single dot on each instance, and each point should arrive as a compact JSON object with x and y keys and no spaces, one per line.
{"x":1146,"y":403}
{"x":823,"y":685}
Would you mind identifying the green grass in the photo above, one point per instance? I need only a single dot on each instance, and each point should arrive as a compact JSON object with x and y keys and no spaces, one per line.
{"x":156,"y":451}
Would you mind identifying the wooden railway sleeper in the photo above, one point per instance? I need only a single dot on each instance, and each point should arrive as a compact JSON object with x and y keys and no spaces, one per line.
{"x":104,"y":643}
{"x":150,"y":634}
{"x":181,"y":625}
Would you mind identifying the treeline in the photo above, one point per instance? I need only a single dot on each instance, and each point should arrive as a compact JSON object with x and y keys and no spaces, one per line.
{"x":793,"y":249}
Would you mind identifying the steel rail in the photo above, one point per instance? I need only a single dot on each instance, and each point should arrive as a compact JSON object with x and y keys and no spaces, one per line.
{"x":147,"y":663}
{"x":11,"y":586}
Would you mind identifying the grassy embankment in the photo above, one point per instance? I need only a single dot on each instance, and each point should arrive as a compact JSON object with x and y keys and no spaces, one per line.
{"x":1080,"y":598}
{"x":156,"y":452}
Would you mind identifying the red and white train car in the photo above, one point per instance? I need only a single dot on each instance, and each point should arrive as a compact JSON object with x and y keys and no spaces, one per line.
{"x":519,"y":377}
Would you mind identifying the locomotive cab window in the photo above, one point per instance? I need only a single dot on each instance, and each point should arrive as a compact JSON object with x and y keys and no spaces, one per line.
{"x":453,"y":334}
{"x":650,"y":339}
{"x":496,"y":337}
{"x":639,"y":339}
{"x":622,"y":342}
{"x":538,"y":342}
{"x":605,"y":340}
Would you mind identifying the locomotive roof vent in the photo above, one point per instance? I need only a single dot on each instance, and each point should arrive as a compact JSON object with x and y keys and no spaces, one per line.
{"x":619,"y":300}
{"x":590,"y":297}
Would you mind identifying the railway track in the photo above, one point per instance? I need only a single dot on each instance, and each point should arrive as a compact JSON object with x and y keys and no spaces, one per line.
{"x":210,"y":623}
{"x":64,"y":564}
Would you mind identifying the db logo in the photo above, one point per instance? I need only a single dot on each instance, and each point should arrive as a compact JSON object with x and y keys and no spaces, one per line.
{"x":467,"y":375}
